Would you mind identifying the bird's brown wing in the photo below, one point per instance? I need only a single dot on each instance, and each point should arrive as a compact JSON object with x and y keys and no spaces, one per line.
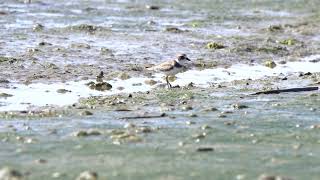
{"x":166,"y":66}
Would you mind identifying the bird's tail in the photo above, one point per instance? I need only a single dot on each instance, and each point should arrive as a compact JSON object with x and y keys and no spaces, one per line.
{"x":150,"y":68}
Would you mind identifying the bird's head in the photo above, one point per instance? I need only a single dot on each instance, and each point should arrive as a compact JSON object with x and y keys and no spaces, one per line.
{"x":182,"y":58}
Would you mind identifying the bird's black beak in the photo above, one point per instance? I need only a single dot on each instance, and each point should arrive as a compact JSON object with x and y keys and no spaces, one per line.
{"x":188,"y":59}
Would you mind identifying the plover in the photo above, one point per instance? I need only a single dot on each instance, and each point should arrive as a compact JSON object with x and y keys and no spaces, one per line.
{"x":172,"y":67}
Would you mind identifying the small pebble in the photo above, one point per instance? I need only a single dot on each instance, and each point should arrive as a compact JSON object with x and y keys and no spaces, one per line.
{"x":144,"y":130}
{"x":190,"y":122}
{"x":181,"y":143}
{"x":41,"y":161}
{"x":312,"y":109}
{"x":272,"y":177}
{"x":129,"y":125}
{"x":150,"y":82}
{"x":210,"y":109}
{"x":199,"y":136}
{"x":124,"y":76}
{"x":7,"y":173}
{"x":137,"y":84}
{"x":38,"y":27}
{"x":204,"y":149}
{"x":86,"y":113}
{"x":204,"y":127}
{"x":270,"y":64}
{"x":193,"y":115}
{"x":56,"y":175}
{"x":186,"y":108}
{"x":63,"y":91}
{"x":120,"y":88}
{"x":239,"y":106}
{"x":87,"y":175}
{"x":152,"y":7}
{"x":29,"y":141}
{"x":222,"y":116}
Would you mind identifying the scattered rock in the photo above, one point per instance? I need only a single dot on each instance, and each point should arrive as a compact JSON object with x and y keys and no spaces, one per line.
{"x":204,"y":127}
{"x":315,"y":60}
{"x":86,"y":113}
{"x":152,"y":7}
{"x":174,"y":30}
{"x":150,"y":82}
{"x":172,"y":78}
{"x":120,"y":88}
{"x":91,"y":83}
{"x":222,"y":116}
{"x":63,"y":91}
{"x":87,"y":28}
{"x":7,"y":173}
{"x":229,"y":123}
{"x":81,"y":46}
{"x":288,"y":42}
{"x":84,"y":133}
{"x":87,"y":175}
{"x":201,"y":64}
{"x":8,"y":59}
{"x":144,"y":130}
{"x":5,"y":95}
{"x":282,"y":62}
{"x":3,"y":13}
{"x":123,"y":136}
{"x":44,"y":44}
{"x":209,"y":109}
{"x":4,"y":81}
{"x":41,"y":161}
{"x":214,"y":45}
{"x":137,"y":84}
{"x":270,"y":64}
{"x":129,"y":125}
{"x":33,"y":50}
{"x":226,"y":112}
{"x":272,"y":49}
{"x":57,"y":175}
{"x":199,"y":136}
{"x":275,"y":28}
{"x":100,"y":86}
{"x":51,"y":66}
{"x":239,"y":106}
{"x":193,"y":115}
{"x":316,"y":126}
{"x":38,"y":27}
{"x":186,"y":108}
{"x":272,"y":177}
{"x":151,"y":23}
{"x":124,"y":76}
{"x":205,"y":149}
{"x":190,"y":122}
{"x":104,"y":50}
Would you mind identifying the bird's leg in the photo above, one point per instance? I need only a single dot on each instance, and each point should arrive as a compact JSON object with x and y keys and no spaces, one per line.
{"x":168,"y":83}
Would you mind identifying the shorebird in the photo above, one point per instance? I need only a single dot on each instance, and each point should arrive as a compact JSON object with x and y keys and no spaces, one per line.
{"x":172,"y":67}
